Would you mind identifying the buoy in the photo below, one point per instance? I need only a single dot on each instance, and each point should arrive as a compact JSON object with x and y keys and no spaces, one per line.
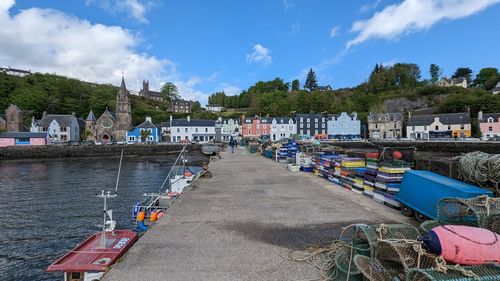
{"x":141,"y":215}
{"x":397,"y":154}
{"x":160,"y":215}
{"x":188,"y":174}
{"x":153,"y":216}
{"x":465,"y":245}
{"x":172,"y":194}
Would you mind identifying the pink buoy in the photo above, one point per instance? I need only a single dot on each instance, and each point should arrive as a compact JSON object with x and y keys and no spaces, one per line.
{"x":464,"y":244}
{"x":160,"y":214}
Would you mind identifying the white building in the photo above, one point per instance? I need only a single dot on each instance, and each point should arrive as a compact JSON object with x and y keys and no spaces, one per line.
{"x":453,"y":82}
{"x":15,"y":72}
{"x":60,"y":127}
{"x":344,"y":126}
{"x":450,"y":125}
{"x":214,"y":108}
{"x":184,"y":130}
{"x":282,"y":128}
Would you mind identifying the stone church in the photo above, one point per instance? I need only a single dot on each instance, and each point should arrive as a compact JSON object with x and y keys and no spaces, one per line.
{"x":111,"y":126}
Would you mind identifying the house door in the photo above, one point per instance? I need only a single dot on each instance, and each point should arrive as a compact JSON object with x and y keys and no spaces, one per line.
{"x":106,"y":138}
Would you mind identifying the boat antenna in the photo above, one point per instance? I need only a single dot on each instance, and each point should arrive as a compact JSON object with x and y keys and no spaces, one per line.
{"x":119,"y":170}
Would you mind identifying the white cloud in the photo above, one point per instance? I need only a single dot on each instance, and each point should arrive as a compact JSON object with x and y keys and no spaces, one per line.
{"x":136,"y":9}
{"x":187,"y":89}
{"x":335,"y":31}
{"x":368,"y":7}
{"x":46,"y":40}
{"x":287,"y":4}
{"x":260,"y":54}
{"x":412,"y":16}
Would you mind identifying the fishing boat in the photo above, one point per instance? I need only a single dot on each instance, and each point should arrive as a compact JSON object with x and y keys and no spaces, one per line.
{"x":93,"y":257}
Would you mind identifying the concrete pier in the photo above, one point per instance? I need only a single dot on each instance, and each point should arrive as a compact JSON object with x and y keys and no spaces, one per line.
{"x":234,"y":225}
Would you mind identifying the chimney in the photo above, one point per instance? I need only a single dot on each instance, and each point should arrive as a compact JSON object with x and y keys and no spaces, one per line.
{"x":409,"y":113}
{"x":189,"y":118}
{"x":73,"y":114}
{"x":171,"y":118}
{"x":480,"y":115}
{"x":148,"y":119}
{"x":468,"y":110}
{"x":44,"y":113}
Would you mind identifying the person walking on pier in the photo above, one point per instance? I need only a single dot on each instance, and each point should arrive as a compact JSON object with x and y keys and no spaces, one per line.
{"x":232,"y":143}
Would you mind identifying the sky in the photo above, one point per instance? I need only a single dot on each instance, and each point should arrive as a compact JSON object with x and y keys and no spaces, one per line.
{"x":205,"y":46}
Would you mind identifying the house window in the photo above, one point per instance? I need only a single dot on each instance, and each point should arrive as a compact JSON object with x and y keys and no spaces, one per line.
{"x":449,"y":127}
{"x":301,"y":132}
{"x":206,"y":130}
{"x":490,"y":120}
{"x":316,"y":120}
{"x":63,"y":129}
{"x":323,"y":125}
{"x":196,"y":130}
{"x":301,"y":119}
{"x":462,"y":126}
{"x":376,"y":126}
{"x":395,"y":126}
{"x":249,"y":132}
{"x":437,"y":128}
{"x":185,"y":130}
{"x":316,"y":125}
{"x":308,"y":120}
{"x":131,"y":138}
{"x":490,"y":128}
{"x":258,"y":126}
{"x":258,"y":132}
{"x":290,"y":128}
{"x":178,"y":130}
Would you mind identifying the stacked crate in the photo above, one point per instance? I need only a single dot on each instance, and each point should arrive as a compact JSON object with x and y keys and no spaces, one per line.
{"x":358,"y":180}
{"x":347,"y":172}
{"x":370,"y":174}
{"x":389,"y":178}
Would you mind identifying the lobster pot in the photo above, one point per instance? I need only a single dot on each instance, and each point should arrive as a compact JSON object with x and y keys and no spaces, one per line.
{"x":366,"y":236}
{"x":492,"y":222}
{"x":371,"y":269}
{"x":472,"y":211}
{"x":398,"y":257}
{"x":428,"y":225}
{"x":402,"y":156}
{"x":343,"y":265}
{"x":489,"y":272}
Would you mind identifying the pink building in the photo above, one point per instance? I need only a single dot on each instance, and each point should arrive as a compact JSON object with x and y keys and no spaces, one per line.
{"x":256,"y":127}
{"x":489,"y":124}
{"x":23,"y":139}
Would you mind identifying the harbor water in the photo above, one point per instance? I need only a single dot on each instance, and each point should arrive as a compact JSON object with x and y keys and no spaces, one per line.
{"x":49,"y":207}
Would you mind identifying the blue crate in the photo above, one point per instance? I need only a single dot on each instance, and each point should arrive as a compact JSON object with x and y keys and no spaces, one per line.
{"x":422,"y":190}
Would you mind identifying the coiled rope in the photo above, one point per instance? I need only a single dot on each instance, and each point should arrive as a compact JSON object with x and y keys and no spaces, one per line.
{"x":480,"y":168}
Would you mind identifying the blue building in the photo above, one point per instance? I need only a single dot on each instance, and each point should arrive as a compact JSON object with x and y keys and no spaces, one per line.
{"x":344,"y":126}
{"x":154,"y":135}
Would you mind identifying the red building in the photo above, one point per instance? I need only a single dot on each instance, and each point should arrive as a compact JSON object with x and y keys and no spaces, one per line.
{"x":256,"y":127}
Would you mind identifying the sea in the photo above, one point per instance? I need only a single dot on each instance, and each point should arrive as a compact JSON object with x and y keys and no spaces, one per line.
{"x":48,"y":207}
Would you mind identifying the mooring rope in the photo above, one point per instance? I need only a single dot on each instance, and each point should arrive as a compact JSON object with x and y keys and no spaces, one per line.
{"x":480,"y":168}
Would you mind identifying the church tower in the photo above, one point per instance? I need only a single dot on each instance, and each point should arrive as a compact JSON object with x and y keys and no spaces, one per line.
{"x":90,"y":130}
{"x":123,"y":113}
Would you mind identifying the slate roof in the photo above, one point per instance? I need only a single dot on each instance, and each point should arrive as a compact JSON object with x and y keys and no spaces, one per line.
{"x":3,"y":69}
{"x":91,"y":116}
{"x":281,"y":120}
{"x":324,"y":88}
{"x":23,"y":135}
{"x":495,"y":117}
{"x":446,"y":119}
{"x":146,"y":124}
{"x":379,"y":117}
{"x":193,"y":123}
{"x":165,"y":124}
{"x":112,"y":113}
{"x":63,"y":120}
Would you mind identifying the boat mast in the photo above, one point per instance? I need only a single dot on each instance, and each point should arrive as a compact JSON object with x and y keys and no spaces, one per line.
{"x":105,"y":196}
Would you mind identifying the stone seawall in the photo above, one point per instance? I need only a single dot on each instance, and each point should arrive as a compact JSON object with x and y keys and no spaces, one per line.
{"x":453,"y":147}
{"x":54,"y":151}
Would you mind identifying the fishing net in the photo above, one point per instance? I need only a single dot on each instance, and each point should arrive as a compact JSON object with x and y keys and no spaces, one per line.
{"x":472,"y":212}
{"x":343,"y":267}
{"x":480,"y":168}
{"x":399,"y":256}
{"x":365,"y":236}
{"x":371,"y":269}
{"x":488,"y":272}
{"x":492,"y":222}
{"x":428,"y":225}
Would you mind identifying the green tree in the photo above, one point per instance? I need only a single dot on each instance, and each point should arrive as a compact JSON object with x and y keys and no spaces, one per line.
{"x":295,"y":85}
{"x":169,"y":92}
{"x":491,"y":82}
{"x":196,"y":106}
{"x":483,"y":76}
{"x":311,"y":82}
{"x":463,"y":72}
{"x":145,"y":134}
{"x":435,"y":72}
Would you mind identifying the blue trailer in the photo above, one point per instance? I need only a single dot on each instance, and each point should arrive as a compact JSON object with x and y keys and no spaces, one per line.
{"x":421,"y":191}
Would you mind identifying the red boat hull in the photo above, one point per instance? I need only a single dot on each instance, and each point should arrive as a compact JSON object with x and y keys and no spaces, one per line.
{"x":88,"y":257}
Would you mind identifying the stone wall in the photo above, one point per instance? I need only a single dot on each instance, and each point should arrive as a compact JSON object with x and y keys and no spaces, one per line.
{"x":55,"y":151}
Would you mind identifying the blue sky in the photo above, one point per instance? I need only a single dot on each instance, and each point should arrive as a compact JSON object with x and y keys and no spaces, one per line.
{"x":208,"y":46}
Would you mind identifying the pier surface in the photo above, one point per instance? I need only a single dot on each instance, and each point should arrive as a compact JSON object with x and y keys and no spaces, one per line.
{"x":234,"y":225}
